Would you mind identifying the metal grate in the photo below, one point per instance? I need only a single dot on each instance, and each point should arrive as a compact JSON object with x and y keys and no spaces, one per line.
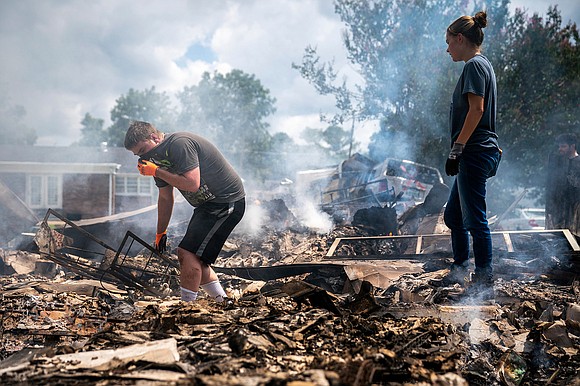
{"x":135,"y":264}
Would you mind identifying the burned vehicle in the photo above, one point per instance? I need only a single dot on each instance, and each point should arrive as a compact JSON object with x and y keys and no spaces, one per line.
{"x":407,"y":180}
{"x":360,"y":182}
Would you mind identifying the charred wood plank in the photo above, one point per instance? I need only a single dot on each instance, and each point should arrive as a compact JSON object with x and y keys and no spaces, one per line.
{"x":395,"y":247}
{"x":280,"y":271}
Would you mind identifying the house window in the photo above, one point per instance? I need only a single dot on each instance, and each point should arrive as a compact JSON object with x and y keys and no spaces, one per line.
{"x":44,"y":191}
{"x":132,"y":185}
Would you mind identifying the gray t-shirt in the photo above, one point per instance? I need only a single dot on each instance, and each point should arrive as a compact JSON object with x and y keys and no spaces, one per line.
{"x":183,"y":151}
{"x":477,"y":78}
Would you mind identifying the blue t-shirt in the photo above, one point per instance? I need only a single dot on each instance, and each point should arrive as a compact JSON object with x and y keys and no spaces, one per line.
{"x":477,"y":78}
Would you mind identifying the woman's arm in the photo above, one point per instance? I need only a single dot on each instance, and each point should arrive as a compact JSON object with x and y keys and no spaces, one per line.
{"x":472,"y":119}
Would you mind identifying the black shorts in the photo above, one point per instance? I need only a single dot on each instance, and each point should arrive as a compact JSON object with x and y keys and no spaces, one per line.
{"x":210,"y":226}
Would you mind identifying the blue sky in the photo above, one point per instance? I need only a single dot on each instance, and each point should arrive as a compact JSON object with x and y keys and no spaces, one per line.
{"x":62,"y":59}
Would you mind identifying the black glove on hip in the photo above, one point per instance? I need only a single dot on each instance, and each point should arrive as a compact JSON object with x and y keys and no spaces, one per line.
{"x":452,"y":164}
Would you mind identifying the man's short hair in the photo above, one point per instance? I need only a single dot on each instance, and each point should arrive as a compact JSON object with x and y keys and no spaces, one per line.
{"x":568,"y":139}
{"x":138,"y":131}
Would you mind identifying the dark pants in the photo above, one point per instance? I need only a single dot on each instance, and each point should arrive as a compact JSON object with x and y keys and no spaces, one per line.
{"x":466,"y":209}
{"x":209,"y":227}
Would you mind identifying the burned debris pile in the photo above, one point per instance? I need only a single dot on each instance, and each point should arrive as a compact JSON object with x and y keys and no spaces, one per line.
{"x":343,"y":308}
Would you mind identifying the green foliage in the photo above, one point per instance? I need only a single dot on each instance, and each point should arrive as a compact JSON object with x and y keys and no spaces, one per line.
{"x":393,"y":44}
{"x":148,"y":105}
{"x":322,"y":77}
{"x":398,"y":48}
{"x":282,"y":148}
{"x":334,"y":141}
{"x":228,"y":109}
{"x":92,"y":132}
{"x":232,"y":103}
{"x":539,"y":83}
{"x":13,"y":131}
{"x":231,"y":110}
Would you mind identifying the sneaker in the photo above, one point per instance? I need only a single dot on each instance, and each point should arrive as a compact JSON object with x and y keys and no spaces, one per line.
{"x":456,"y":275}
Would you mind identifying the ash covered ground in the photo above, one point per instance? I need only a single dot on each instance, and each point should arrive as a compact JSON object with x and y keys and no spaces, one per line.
{"x":370,"y":314}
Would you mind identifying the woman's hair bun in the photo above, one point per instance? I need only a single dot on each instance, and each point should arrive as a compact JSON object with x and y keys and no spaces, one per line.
{"x":480,"y":19}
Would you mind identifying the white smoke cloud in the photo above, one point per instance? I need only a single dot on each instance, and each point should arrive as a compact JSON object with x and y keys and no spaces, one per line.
{"x":61,"y":59}
{"x":312,"y":217}
{"x":253,"y":221}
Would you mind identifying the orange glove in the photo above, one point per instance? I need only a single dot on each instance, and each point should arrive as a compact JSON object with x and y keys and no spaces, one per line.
{"x":161,"y":242}
{"x":147,"y":168}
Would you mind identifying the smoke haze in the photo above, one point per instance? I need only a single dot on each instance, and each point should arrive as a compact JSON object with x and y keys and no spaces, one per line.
{"x":64,"y":59}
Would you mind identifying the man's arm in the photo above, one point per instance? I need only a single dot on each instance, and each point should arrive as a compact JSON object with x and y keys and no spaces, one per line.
{"x":188,"y":181}
{"x":164,"y":208}
{"x":472,"y":119}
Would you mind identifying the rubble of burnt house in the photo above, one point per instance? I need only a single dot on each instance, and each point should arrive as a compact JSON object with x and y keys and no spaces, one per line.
{"x":89,"y":301}
{"x":348,"y":307}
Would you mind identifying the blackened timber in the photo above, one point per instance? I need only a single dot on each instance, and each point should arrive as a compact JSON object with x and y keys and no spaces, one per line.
{"x":280,"y":271}
{"x":413,"y":246}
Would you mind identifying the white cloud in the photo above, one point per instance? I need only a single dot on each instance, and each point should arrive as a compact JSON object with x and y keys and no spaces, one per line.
{"x":266,"y":37}
{"x":62,"y":59}
{"x":569,"y":9}
{"x":293,"y":125}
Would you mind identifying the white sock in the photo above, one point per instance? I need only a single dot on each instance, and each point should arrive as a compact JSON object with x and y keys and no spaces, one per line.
{"x":188,"y":295}
{"x":214,"y":290}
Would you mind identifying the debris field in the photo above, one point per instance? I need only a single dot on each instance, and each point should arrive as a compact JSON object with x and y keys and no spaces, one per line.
{"x":343,"y":308}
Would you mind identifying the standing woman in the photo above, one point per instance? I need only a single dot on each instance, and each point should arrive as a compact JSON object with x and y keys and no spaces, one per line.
{"x":474,"y":155}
